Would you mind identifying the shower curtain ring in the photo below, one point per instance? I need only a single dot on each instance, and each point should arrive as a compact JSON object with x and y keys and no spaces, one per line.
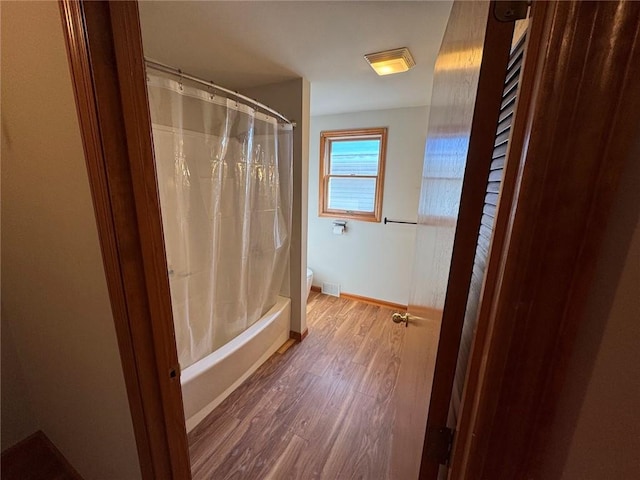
{"x":180,"y":86}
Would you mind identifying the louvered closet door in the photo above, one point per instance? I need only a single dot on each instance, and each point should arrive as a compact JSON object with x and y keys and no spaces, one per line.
{"x":487,"y":223}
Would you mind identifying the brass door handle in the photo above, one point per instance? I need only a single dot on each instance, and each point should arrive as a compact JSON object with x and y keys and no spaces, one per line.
{"x":400,"y":318}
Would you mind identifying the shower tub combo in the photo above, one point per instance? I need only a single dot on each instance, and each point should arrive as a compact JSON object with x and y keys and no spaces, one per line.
{"x":225,"y":185}
{"x":206,"y":383}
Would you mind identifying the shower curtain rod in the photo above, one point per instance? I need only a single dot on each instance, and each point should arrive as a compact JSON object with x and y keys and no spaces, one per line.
{"x":176,"y":71}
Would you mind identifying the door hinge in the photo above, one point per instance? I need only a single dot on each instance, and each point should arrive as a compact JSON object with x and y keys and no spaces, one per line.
{"x":439,"y":444}
{"x":510,"y":11}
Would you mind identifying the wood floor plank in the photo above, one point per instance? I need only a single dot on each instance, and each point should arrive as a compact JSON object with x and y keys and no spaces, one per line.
{"x":328,"y":396}
{"x":355,"y":322}
{"x":273,"y":438}
{"x":374,"y":338}
{"x":351,"y":443}
{"x":382,"y":370}
{"x":288,"y":465}
{"x":256,"y":450}
{"x":243,"y":451}
{"x":320,"y":410}
{"x":372,"y":461}
{"x":323,"y":437}
{"x":209,"y":461}
{"x":202,"y":442}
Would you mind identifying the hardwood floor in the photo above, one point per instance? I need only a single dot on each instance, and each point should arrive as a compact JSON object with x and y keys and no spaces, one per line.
{"x":321,"y":410}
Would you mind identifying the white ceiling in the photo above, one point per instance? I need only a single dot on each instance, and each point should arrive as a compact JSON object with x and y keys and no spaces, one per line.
{"x":241,"y":44}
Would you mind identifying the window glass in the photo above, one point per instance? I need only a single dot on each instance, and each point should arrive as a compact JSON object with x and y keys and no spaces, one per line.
{"x":352,"y":194}
{"x":359,"y":157}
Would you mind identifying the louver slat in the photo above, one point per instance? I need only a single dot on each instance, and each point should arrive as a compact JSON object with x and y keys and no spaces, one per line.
{"x":494,"y":181}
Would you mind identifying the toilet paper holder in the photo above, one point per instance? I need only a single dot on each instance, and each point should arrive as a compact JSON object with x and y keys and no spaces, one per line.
{"x":339,"y":227}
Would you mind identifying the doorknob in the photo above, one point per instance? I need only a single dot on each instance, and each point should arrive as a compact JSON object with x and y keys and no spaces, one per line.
{"x":400,"y":318}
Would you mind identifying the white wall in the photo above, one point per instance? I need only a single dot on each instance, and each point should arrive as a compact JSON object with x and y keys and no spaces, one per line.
{"x":292,"y":99}
{"x":596,"y":432}
{"x":54,"y":295}
{"x":371,"y":259}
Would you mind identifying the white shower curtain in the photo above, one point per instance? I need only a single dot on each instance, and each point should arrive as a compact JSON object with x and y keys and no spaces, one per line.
{"x":225,"y":182}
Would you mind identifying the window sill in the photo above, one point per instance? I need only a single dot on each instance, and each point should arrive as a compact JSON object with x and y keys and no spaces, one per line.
{"x":363,"y":217}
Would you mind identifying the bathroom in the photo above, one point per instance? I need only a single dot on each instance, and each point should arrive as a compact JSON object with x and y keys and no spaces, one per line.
{"x":291,"y":112}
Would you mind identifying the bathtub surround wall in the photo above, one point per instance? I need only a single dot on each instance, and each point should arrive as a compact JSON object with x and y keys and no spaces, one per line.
{"x":371,"y":259}
{"x":292,"y":99}
{"x":55,"y":304}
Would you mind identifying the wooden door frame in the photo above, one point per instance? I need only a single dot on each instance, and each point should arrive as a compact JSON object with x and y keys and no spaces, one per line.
{"x":104,"y":47}
{"x":107,"y":70}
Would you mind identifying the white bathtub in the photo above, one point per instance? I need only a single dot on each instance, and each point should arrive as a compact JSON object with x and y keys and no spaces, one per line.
{"x":206,"y":383}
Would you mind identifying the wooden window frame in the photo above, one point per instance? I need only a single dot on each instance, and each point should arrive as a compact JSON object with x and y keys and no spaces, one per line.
{"x":328,"y":136}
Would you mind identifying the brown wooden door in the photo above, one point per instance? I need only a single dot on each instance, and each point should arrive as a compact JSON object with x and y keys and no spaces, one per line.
{"x":465,"y":106}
